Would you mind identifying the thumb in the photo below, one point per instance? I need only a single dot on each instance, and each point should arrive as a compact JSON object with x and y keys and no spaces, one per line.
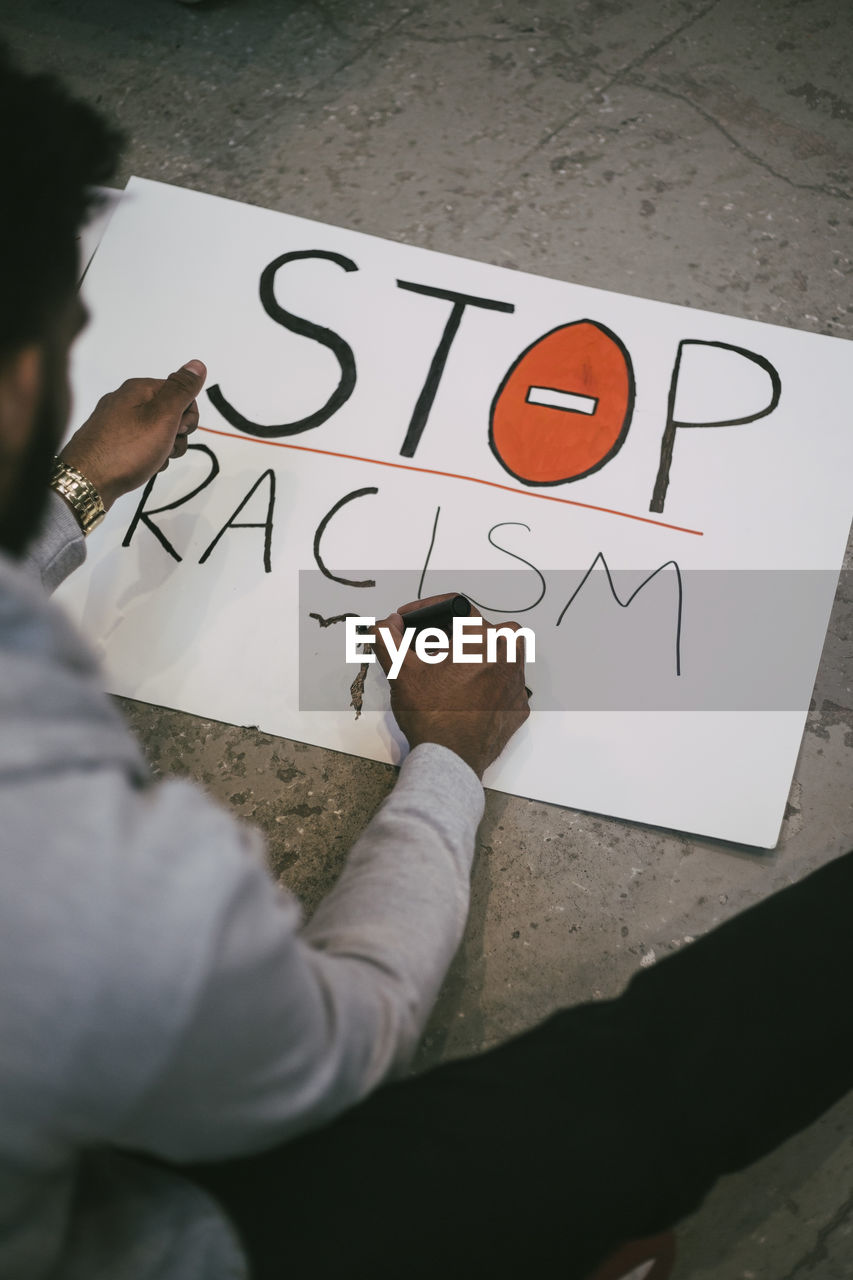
{"x":180,"y":388}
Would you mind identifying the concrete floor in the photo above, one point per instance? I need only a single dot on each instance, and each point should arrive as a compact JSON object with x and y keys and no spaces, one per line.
{"x":698,"y":153}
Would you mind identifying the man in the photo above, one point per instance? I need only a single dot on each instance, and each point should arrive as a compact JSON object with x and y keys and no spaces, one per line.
{"x":186,"y":1012}
{"x":175,"y":1046}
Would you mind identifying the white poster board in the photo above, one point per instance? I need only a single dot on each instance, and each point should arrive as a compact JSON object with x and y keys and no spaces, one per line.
{"x":375,"y":401}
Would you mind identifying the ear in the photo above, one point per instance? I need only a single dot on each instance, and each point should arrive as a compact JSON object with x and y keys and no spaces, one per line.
{"x":21,"y":387}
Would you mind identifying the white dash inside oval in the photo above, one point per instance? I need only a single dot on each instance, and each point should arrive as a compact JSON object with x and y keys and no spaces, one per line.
{"x":552,"y":398}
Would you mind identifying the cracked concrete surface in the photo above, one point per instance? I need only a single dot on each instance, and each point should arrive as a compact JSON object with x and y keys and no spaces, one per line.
{"x":696,"y":153}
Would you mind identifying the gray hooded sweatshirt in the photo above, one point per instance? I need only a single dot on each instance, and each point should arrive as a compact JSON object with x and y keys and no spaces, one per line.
{"x":158,"y":991}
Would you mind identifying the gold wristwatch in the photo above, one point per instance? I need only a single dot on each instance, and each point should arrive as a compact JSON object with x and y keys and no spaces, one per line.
{"x":80,"y":494}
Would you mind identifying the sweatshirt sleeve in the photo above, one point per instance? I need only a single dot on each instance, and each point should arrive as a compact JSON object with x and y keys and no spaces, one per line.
{"x":289,"y":1026}
{"x":60,"y":547}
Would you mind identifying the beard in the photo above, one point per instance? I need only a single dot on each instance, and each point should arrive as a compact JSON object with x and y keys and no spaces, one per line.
{"x":22,"y":514}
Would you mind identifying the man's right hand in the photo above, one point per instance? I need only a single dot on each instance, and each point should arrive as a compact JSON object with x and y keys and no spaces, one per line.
{"x":471,"y":708}
{"x":135,"y":430}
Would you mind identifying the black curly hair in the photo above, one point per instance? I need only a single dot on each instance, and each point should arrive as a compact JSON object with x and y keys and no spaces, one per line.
{"x":55,"y":148}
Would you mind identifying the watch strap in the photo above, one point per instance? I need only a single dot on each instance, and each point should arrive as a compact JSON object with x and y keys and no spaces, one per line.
{"x":80,"y":494}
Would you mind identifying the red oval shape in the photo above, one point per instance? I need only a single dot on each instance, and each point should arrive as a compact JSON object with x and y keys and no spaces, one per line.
{"x":540,"y":444}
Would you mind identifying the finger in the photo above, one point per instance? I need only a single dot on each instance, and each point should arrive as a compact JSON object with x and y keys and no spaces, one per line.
{"x":394,"y":624}
{"x":180,"y":389}
{"x":189,"y":420}
{"x":143,"y":388}
{"x":136,"y":391}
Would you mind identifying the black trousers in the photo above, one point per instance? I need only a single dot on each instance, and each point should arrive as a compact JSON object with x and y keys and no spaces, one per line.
{"x":608,"y":1122}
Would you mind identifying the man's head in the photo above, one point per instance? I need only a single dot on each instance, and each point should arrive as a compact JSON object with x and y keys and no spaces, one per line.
{"x":54,"y":150}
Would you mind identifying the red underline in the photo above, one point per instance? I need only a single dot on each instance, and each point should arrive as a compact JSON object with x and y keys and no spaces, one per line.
{"x":452,"y":475}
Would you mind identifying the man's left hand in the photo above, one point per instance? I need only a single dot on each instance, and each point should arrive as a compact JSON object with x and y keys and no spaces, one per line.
{"x":136,"y":430}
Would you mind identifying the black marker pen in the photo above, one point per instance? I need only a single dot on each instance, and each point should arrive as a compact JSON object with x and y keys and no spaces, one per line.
{"x":440,"y":614}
